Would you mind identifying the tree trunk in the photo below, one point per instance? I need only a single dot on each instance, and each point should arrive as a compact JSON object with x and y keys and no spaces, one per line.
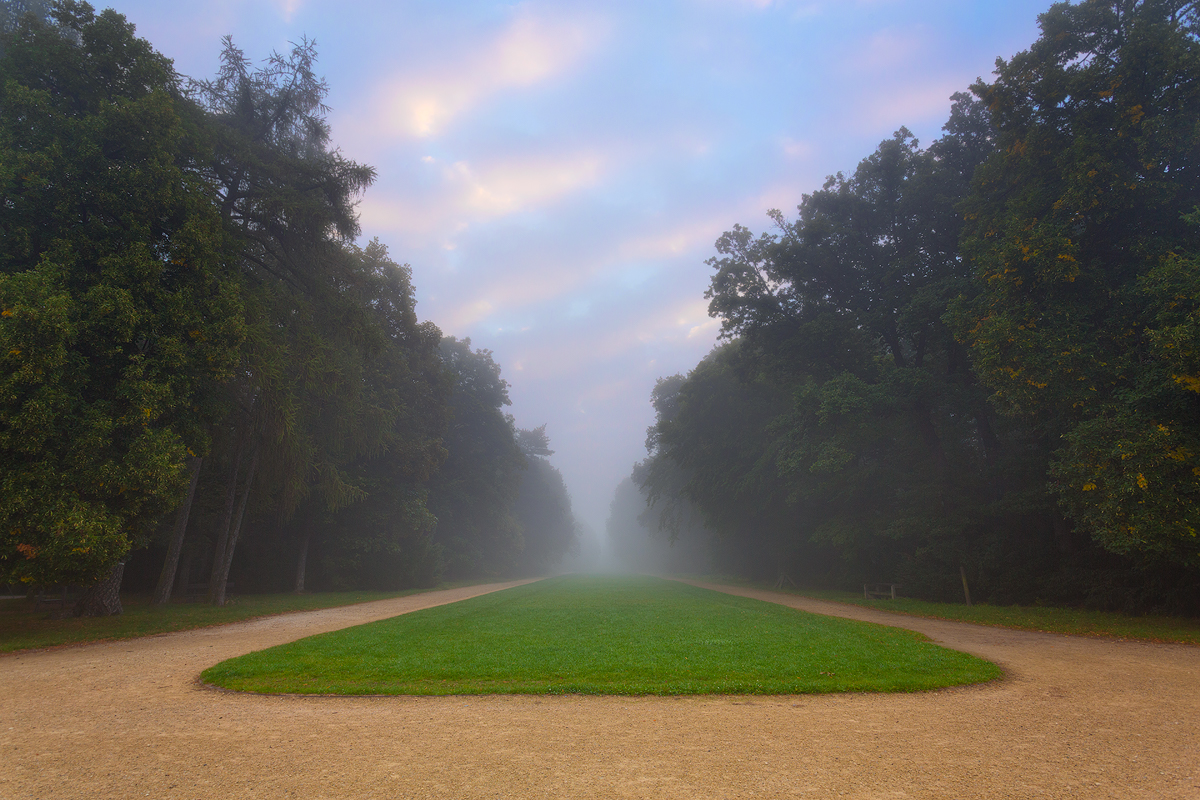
{"x":221,"y":576}
{"x":227,"y":517}
{"x":302,"y":562}
{"x":103,"y":598}
{"x":962,"y":571}
{"x":185,"y":570}
{"x":166,"y":579}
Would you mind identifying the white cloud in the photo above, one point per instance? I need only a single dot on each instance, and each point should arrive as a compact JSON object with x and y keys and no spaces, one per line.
{"x":907,"y":106}
{"x":534,"y":48}
{"x":796,"y":149}
{"x":683,"y":238}
{"x":463,"y":193}
{"x":708,"y":329}
{"x":763,"y":5}
{"x":682,"y":324}
{"x":288,"y":8}
{"x":515,"y":185}
{"x":673,"y":324}
{"x":888,"y":50}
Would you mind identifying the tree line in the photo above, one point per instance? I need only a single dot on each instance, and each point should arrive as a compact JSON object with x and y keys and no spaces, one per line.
{"x":976,"y":360}
{"x":198,"y":361}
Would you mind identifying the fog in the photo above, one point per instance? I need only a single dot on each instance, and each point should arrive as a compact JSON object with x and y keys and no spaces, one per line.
{"x":553,"y":191}
{"x":556,"y":173}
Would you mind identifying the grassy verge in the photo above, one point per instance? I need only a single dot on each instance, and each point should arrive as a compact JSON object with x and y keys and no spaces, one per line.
{"x":605,"y":635}
{"x":23,"y":627}
{"x":1079,"y":622}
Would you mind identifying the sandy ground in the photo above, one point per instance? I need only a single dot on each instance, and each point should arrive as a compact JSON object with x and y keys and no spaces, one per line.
{"x":1076,"y":717}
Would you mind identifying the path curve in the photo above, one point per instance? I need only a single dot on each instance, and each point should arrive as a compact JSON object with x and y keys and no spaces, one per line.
{"x":1075,"y":718}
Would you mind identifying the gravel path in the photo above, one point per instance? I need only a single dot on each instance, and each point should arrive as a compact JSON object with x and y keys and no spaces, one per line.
{"x":1076,"y":717}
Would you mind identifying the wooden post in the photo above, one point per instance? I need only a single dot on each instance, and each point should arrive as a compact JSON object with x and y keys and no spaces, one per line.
{"x":966,"y":590}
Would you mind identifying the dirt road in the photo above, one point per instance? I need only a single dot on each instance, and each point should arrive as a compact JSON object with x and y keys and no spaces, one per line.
{"x":1075,"y":718}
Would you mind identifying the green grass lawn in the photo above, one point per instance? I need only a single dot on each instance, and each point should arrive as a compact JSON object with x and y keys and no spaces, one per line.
{"x":1080,"y":622}
{"x":23,"y":627}
{"x":605,"y":635}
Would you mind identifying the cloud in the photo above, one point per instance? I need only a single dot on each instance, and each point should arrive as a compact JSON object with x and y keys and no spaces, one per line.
{"x":695,"y":237}
{"x":459,"y":194}
{"x":689,"y":236}
{"x":526,"y":282}
{"x":907,"y":106}
{"x":707,"y":329}
{"x":796,"y":149}
{"x":888,"y":50}
{"x":532,"y":49}
{"x":515,"y":292}
{"x":800,"y":8}
{"x":288,"y":8}
{"x":555,"y":276}
{"x":683,"y":324}
{"x":515,"y":185}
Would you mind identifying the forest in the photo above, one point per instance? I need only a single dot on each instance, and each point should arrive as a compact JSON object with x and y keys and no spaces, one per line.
{"x":204,"y":380}
{"x":968,"y":362}
{"x":971,"y":362}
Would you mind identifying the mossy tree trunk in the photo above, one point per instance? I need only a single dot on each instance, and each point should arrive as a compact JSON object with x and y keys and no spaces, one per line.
{"x":103,"y":598}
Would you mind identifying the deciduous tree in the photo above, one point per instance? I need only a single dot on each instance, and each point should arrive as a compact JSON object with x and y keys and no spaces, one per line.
{"x":1085,"y":251}
{"x":118,"y":315}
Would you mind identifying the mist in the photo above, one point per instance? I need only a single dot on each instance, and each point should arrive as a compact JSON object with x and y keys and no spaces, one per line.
{"x":640,"y":539}
{"x":529,"y":215}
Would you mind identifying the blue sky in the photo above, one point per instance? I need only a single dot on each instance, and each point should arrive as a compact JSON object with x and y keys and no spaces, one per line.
{"x":556,"y":172}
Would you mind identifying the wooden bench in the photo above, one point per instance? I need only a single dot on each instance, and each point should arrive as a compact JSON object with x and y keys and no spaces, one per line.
{"x":875,"y":591}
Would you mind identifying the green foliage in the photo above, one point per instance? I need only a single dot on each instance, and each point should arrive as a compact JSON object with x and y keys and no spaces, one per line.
{"x":1038,"y":260}
{"x":387,"y":443}
{"x":844,"y":420}
{"x":1084,"y":253}
{"x":341,"y":389}
{"x":178,"y":275}
{"x":714,"y":453}
{"x":543,"y":510}
{"x":605,"y":636}
{"x":473,"y":494}
{"x":281,"y":185}
{"x":117,"y":313}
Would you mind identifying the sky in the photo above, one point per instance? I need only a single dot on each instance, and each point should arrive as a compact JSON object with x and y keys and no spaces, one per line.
{"x":556,"y":173}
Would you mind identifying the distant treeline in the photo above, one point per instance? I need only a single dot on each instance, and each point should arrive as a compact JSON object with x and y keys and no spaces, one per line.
{"x":977,"y":358}
{"x":195,"y":355}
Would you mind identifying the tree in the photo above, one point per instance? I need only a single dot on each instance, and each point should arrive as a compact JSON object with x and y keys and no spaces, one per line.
{"x":381,"y":431}
{"x":889,"y":448}
{"x":638,"y":544}
{"x":1084,"y":249}
{"x":534,"y":442}
{"x":286,"y":201}
{"x":117,"y":313}
{"x":713,"y":450}
{"x":473,"y":493}
{"x":12,"y":12}
{"x":542,"y":507}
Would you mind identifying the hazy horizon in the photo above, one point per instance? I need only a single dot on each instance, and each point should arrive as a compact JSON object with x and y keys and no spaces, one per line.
{"x":556,"y":173}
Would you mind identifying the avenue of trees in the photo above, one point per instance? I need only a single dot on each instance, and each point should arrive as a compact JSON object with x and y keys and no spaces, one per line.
{"x":977,"y":358}
{"x":201,"y":373}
